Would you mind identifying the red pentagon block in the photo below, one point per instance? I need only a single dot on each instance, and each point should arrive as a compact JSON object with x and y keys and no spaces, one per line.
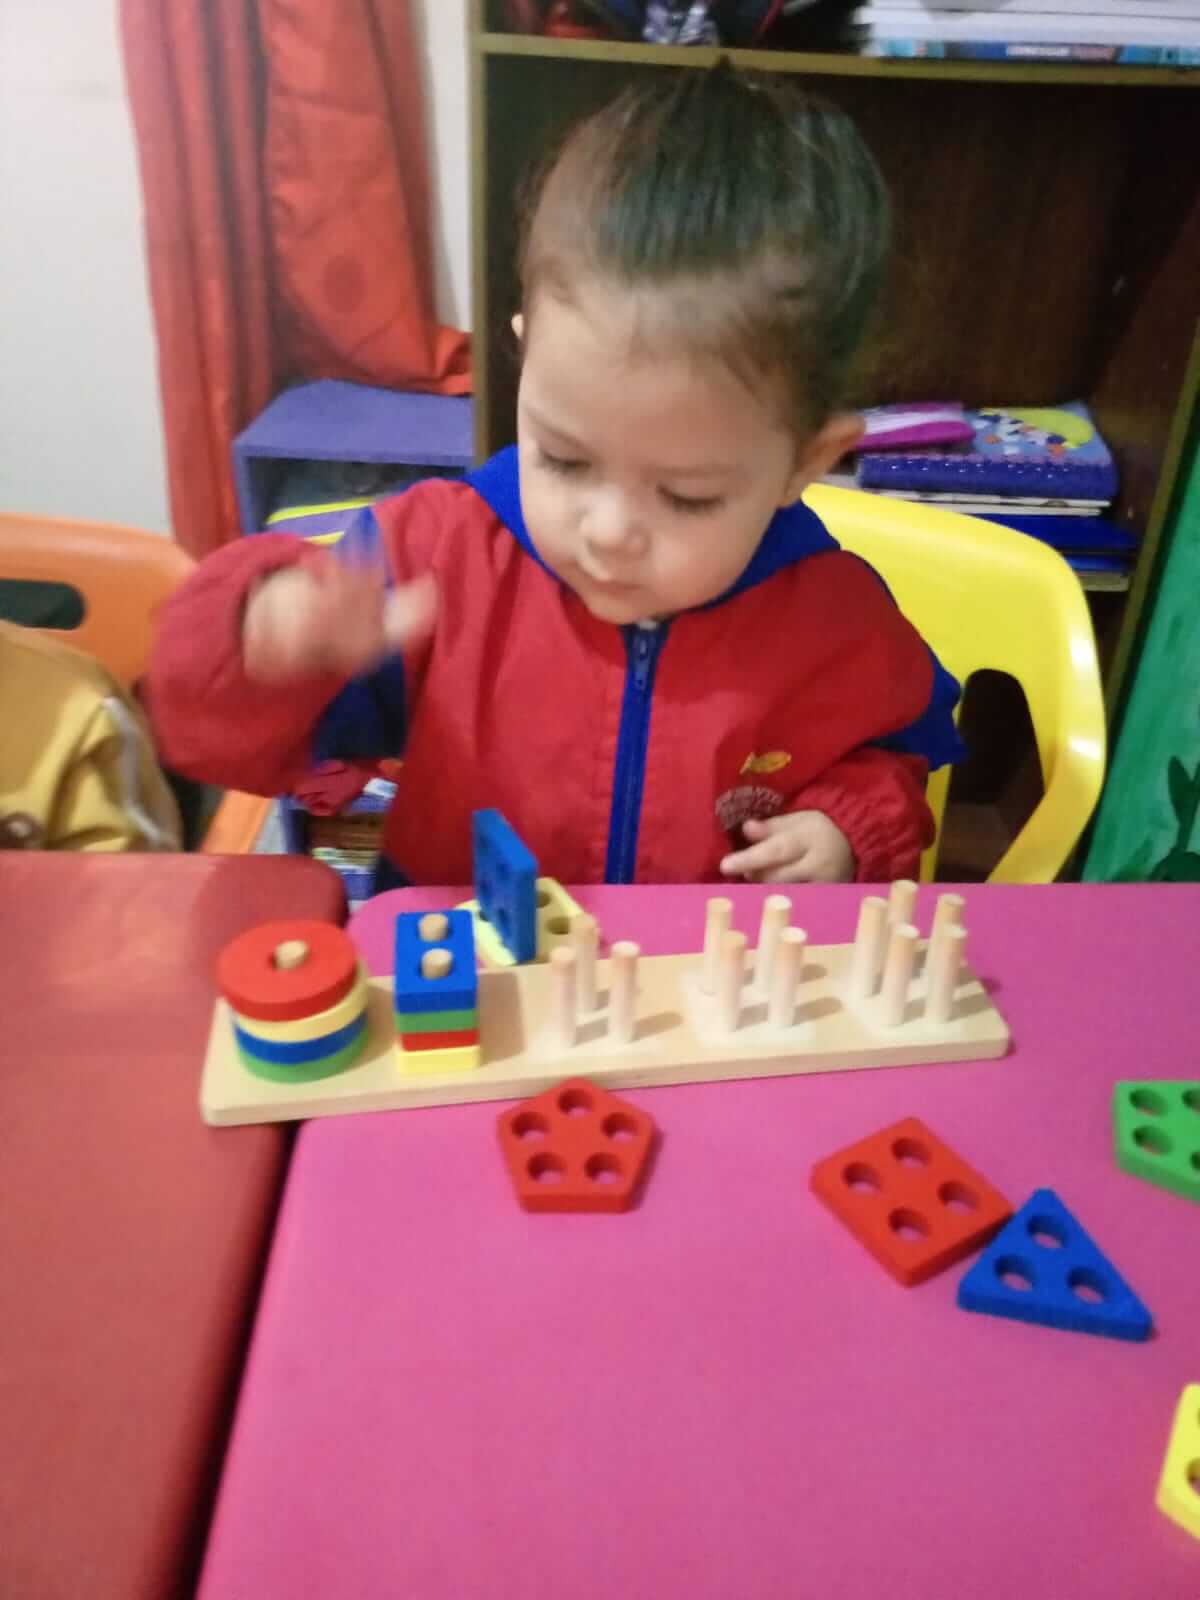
{"x":576,"y":1148}
{"x":914,"y":1204}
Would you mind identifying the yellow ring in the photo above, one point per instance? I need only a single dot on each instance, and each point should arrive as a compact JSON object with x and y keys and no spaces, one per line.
{"x":303,"y":1029}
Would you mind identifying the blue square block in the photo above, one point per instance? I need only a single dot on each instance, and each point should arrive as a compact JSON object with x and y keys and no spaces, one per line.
{"x":458,"y":990}
{"x":1068,"y":1282}
{"x":506,"y":883}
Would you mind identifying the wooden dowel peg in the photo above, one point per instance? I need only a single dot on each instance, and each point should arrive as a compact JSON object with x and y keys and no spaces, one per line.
{"x":622,"y":991}
{"x":777,"y":908}
{"x":731,"y":978}
{"x":946,"y":956}
{"x":563,"y":964}
{"x":897,"y":974}
{"x":870,"y":941}
{"x":433,"y":927}
{"x":289,"y":955}
{"x":902,"y":901}
{"x":585,"y":937}
{"x":948,"y":914}
{"x":717,"y":917}
{"x":437,"y":964}
{"x":785,"y":977}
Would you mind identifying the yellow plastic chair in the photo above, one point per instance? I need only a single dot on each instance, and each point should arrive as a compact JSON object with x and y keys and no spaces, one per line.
{"x":985,"y":596}
{"x":122,"y":576}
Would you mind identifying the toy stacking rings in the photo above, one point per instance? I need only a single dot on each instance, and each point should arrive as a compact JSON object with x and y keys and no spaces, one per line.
{"x":299,"y":998}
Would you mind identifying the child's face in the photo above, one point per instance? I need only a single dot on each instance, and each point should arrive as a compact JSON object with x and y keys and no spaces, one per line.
{"x":647,"y":480}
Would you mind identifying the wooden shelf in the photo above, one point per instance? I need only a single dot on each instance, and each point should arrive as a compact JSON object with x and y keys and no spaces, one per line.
{"x":830,"y":63}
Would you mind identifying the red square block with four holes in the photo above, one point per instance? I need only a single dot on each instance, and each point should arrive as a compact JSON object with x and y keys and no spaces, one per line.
{"x":906,"y":1196}
{"x":576,"y":1148}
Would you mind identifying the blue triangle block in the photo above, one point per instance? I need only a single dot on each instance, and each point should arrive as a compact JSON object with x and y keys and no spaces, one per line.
{"x":1042,"y":1267}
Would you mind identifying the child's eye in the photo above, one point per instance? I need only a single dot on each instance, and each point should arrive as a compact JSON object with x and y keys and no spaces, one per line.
{"x":560,"y":463}
{"x":692,"y":508}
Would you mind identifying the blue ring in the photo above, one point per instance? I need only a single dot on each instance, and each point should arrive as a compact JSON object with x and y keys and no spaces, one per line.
{"x":300,"y":1055}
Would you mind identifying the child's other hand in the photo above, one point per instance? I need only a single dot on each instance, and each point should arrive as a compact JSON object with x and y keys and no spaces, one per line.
{"x":800,"y":847}
{"x":301,"y":622}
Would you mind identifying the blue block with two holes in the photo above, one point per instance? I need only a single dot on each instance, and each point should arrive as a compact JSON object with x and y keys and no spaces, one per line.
{"x":505,"y":883}
{"x":459,"y":989}
{"x":1069,"y":1282}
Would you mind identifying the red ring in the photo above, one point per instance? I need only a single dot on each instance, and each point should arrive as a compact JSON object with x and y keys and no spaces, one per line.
{"x":255,"y":987}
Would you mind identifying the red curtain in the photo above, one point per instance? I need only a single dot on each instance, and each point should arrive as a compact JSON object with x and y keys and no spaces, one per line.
{"x":282,"y":153}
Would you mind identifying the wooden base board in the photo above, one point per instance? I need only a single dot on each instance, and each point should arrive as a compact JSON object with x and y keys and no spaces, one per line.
{"x":676,"y":1041}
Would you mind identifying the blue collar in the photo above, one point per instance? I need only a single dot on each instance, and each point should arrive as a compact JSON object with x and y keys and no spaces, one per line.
{"x":792,"y":533}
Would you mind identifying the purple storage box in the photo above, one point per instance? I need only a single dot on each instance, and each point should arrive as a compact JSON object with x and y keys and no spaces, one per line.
{"x":333,"y":421}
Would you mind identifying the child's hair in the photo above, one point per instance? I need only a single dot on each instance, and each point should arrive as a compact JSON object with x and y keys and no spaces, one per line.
{"x":758,"y":209}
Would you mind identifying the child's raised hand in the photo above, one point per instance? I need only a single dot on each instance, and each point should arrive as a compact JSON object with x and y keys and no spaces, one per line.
{"x":799,"y":847}
{"x":303,"y":621}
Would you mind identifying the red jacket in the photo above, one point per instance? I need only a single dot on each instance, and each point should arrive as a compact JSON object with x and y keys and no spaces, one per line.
{"x":619,"y":754}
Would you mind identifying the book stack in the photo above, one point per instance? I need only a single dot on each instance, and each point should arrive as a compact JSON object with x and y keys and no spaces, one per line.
{"x":1044,"y":471}
{"x":1110,"y":32}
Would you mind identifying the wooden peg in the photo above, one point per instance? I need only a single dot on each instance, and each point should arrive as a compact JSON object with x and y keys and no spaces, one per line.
{"x":902,"y":901}
{"x":585,"y":937}
{"x":717,"y":917}
{"x":869,"y":944}
{"x":777,"y":908}
{"x":289,"y":955}
{"x":434,"y":927}
{"x":437,"y":964}
{"x":563,"y":964}
{"x":947,"y":951}
{"x":948,"y":914}
{"x":785,"y":977}
{"x":622,"y":985}
{"x":897,"y":974}
{"x":731,"y":977}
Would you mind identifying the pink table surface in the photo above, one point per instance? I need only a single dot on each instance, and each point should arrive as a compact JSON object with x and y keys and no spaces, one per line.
{"x":721,"y":1394}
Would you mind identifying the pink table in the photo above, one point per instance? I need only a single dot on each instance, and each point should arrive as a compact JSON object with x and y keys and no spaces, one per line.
{"x":720,"y":1395}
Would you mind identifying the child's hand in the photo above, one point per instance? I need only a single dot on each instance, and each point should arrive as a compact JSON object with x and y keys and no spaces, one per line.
{"x":300,"y":622}
{"x":800,"y":847}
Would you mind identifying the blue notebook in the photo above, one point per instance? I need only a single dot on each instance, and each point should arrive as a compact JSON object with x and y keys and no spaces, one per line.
{"x":1016,"y":452}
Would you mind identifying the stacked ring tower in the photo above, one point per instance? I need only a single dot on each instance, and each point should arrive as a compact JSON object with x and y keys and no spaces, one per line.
{"x":298,"y":993}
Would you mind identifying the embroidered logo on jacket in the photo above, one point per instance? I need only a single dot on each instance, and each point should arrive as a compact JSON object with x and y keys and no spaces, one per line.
{"x":771,"y":761}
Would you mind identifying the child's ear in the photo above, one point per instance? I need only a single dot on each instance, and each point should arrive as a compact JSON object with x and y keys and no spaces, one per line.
{"x":518,"y":327}
{"x":821,"y":453}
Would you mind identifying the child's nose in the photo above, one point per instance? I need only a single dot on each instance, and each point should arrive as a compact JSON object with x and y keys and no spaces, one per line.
{"x":612,"y":523}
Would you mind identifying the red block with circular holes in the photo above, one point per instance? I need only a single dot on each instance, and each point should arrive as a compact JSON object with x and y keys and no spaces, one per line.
{"x":906,"y":1196}
{"x":576,"y":1148}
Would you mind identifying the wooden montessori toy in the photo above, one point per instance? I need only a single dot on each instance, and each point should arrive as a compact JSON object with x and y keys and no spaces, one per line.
{"x":888,"y":999}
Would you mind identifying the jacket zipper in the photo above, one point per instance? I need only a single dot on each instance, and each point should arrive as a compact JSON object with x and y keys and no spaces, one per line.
{"x":643,"y":645}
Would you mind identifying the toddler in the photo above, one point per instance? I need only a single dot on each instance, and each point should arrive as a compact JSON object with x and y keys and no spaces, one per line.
{"x":627,"y":632}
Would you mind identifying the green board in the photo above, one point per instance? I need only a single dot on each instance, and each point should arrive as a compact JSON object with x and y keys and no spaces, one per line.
{"x":1148,"y":826}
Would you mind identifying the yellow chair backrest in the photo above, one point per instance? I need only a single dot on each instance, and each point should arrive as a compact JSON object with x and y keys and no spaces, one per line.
{"x":985,"y":596}
{"x":121,"y":574}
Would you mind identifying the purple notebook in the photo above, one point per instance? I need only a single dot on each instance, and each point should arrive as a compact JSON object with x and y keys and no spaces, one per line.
{"x":1014,"y":451}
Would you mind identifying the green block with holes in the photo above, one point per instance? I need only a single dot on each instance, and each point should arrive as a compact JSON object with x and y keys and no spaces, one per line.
{"x":1156,"y":1131}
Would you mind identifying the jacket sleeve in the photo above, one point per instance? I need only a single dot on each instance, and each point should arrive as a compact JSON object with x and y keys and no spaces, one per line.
{"x":899,"y":710}
{"x":877,"y":798}
{"x":210,"y":721}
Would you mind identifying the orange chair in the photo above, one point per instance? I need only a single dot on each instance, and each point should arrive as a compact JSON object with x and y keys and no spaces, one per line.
{"x":122,"y":576}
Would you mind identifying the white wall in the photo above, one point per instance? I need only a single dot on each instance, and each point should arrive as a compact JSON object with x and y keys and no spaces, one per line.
{"x":80,"y":425}
{"x":441,"y":32}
